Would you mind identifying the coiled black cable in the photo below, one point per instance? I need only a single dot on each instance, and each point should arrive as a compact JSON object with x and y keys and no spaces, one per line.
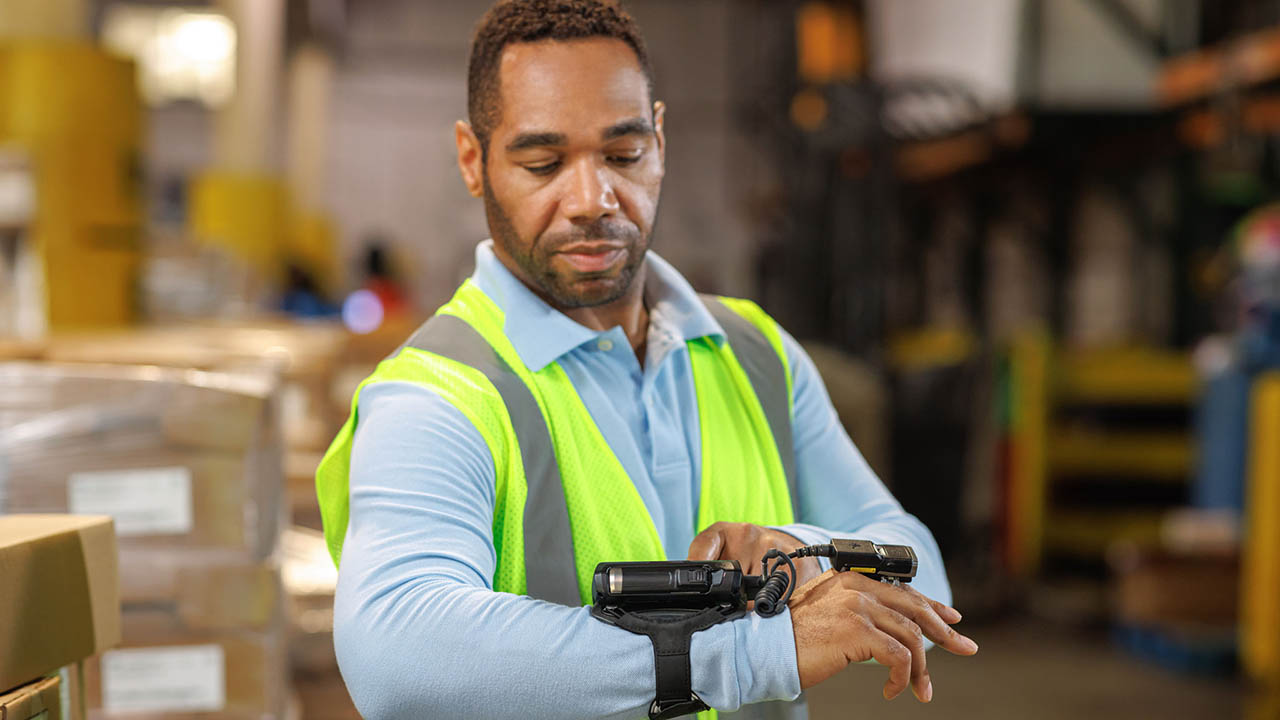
{"x":779,"y":584}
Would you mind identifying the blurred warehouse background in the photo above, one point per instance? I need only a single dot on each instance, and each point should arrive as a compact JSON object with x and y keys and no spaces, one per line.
{"x":1033,"y":245}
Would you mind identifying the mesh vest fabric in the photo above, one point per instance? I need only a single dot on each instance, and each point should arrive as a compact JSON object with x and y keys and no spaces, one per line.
{"x":742,"y":478}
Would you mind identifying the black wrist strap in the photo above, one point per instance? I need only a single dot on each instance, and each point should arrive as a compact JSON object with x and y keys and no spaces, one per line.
{"x":671,"y":633}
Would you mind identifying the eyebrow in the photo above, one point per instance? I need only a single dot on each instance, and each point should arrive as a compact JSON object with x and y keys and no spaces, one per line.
{"x":634,"y":126}
{"x":524,"y":141}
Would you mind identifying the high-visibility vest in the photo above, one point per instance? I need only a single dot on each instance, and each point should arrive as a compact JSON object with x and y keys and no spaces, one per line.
{"x":563,"y":502}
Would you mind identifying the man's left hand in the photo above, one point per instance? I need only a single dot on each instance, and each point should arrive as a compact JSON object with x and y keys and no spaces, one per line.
{"x":747,"y":543}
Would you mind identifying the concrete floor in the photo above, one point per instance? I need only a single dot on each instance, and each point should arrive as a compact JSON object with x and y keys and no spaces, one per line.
{"x":1029,"y":670}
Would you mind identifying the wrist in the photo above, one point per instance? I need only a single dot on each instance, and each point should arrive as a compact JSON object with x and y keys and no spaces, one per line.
{"x":748,"y":660}
{"x":808,"y":535}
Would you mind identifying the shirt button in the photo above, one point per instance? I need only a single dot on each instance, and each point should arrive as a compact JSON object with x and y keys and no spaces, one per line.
{"x":605,"y":345}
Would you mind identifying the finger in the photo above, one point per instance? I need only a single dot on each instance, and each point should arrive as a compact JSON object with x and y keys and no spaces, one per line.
{"x":902,"y":629}
{"x":917,"y":607}
{"x":949,"y":615}
{"x":707,"y":545}
{"x":895,"y":656}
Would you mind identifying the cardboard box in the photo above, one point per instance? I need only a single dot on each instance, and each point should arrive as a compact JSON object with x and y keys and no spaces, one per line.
{"x":300,"y":487}
{"x":310,"y":582}
{"x":60,"y":598}
{"x":303,"y":357}
{"x":40,"y":700}
{"x":324,"y":696}
{"x":183,"y":408}
{"x":13,"y":349}
{"x":1168,"y":588}
{"x":161,"y":498}
{"x":202,"y":592}
{"x":164,"y":671}
{"x":179,"y":458}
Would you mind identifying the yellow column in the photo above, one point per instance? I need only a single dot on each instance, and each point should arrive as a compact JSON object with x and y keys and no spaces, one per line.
{"x":1030,"y":388}
{"x":1260,"y":570}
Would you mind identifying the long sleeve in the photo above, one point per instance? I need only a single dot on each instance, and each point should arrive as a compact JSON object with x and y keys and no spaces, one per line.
{"x":839,"y":493}
{"x":419,"y":631}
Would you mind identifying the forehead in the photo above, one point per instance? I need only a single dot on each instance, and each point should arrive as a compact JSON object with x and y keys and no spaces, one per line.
{"x":568,"y":86}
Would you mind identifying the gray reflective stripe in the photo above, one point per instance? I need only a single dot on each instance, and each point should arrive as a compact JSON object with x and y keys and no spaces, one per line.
{"x":549,"y":567}
{"x":768,"y":378}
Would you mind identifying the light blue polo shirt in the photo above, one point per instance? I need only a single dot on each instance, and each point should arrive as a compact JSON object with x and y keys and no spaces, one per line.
{"x":419,"y":630}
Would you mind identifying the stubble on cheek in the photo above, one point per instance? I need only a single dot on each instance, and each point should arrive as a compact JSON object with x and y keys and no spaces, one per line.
{"x":536,"y":259}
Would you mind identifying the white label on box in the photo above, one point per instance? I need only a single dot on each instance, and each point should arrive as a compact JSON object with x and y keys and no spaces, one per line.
{"x":189,"y":678}
{"x":154,"y":501}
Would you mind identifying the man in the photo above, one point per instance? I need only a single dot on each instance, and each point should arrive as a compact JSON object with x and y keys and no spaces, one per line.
{"x":576,"y":402}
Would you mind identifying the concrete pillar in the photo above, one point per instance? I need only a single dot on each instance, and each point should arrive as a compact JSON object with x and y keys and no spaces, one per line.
{"x":246,"y":128}
{"x":310,"y":91}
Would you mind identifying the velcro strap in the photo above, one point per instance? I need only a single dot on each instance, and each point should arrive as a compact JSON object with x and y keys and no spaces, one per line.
{"x":672,"y":634}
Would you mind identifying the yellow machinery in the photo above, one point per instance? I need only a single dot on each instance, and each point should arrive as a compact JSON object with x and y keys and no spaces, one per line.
{"x":75,"y":111}
{"x":244,"y":213}
{"x":253,"y":217}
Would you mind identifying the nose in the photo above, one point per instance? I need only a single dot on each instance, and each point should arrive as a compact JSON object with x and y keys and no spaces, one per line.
{"x":589,"y":195}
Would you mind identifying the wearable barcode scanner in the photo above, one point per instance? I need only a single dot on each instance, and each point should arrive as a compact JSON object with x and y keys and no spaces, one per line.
{"x":671,"y":600}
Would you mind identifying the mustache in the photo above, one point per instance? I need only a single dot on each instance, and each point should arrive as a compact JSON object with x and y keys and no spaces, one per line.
{"x":600,"y":230}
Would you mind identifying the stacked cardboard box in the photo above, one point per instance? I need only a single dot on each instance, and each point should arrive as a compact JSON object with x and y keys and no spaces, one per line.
{"x":305,"y":358}
{"x":318,"y":367}
{"x":60,"y":604}
{"x":189,"y":463}
{"x":40,"y":700}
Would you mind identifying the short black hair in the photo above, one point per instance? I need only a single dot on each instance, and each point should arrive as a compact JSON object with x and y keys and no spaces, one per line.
{"x":526,"y":21}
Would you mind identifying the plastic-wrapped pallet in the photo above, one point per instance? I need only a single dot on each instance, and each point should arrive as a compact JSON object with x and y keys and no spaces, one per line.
{"x":304,"y":357}
{"x":180,"y":459}
{"x":308,"y":359}
{"x":189,"y":463}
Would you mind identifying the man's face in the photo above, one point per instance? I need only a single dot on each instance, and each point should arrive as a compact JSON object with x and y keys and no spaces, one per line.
{"x":574,"y":169}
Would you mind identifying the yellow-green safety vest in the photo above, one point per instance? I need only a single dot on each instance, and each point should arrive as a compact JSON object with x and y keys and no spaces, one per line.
{"x":563,"y":502}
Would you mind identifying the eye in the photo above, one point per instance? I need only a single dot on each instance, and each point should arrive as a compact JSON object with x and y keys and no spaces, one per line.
{"x":629,"y":158}
{"x":543,"y":168}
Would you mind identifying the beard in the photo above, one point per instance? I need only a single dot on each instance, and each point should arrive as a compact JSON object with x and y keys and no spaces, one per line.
{"x":567,"y":288}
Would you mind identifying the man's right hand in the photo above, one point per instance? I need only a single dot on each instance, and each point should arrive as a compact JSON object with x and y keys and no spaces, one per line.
{"x":842,"y":618}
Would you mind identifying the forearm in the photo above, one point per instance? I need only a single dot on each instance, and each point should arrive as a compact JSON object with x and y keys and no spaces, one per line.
{"x":440,"y":648}
{"x":437,"y":648}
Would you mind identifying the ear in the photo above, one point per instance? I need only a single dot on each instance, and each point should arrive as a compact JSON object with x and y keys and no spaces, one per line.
{"x":470,"y":158}
{"x":659,"y":115}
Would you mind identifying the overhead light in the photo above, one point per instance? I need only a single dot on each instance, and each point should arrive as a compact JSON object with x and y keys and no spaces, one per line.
{"x":182,"y":53}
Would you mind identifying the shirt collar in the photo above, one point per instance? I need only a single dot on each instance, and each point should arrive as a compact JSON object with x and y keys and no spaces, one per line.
{"x":541,"y":334}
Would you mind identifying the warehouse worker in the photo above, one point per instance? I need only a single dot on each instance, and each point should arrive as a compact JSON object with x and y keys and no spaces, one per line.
{"x":576,"y":402}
